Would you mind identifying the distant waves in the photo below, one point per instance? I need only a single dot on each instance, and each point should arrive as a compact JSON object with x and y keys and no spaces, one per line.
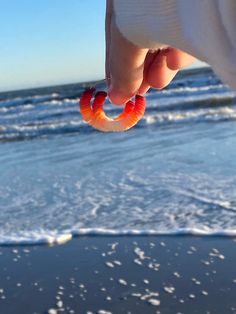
{"x":192,"y":98}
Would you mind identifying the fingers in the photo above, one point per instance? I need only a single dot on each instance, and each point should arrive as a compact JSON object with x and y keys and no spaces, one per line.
{"x":125,"y":66}
{"x":163,"y":67}
{"x":159,"y":74}
{"x":147,"y":63}
{"x":178,"y":59}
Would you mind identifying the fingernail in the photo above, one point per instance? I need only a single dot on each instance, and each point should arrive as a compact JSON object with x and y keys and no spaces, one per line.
{"x":115,"y":96}
{"x":142,"y":92}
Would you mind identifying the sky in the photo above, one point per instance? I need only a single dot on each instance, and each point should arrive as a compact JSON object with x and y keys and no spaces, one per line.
{"x":51,"y":42}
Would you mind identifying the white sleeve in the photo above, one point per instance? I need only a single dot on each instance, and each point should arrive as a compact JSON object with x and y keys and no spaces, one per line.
{"x":205,"y":29}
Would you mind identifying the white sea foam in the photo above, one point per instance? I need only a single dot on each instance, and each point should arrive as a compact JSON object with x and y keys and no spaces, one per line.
{"x":36,"y":238}
{"x":57,"y":238}
{"x":48,"y":125}
{"x":137,"y":232}
{"x":198,"y":89}
{"x":200,"y":115}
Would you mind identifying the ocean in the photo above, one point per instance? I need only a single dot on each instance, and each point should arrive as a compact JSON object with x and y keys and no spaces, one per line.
{"x":173,"y":173}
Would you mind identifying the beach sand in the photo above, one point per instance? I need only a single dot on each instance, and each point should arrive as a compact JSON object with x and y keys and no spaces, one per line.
{"x":99,"y":274}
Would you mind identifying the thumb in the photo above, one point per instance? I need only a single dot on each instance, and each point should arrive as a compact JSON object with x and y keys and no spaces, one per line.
{"x":125,"y":67}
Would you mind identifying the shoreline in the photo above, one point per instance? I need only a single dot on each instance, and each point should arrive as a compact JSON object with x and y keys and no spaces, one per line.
{"x":51,"y":240}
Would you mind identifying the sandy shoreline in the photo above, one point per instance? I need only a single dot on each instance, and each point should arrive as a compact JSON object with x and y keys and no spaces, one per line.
{"x":144,"y":274}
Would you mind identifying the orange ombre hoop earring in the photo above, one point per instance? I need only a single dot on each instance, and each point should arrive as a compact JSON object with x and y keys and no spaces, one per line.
{"x":96,"y":117}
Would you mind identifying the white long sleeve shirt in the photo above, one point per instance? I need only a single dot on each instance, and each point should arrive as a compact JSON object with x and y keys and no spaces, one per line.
{"x":205,"y":29}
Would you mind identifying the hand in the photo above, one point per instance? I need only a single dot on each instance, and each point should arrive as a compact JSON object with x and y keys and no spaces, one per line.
{"x":133,"y":70}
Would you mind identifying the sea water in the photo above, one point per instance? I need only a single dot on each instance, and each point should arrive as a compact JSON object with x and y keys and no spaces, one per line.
{"x":173,"y":173}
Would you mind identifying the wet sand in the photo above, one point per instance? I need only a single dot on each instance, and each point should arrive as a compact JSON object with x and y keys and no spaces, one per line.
{"x":144,"y":274}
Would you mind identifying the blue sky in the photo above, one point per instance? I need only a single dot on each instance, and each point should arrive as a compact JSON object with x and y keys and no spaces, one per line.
{"x":50,"y":42}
